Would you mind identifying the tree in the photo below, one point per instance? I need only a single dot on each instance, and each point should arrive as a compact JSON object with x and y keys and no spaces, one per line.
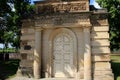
{"x":4,"y":15}
{"x":23,"y":10}
{"x":113,"y":7}
{"x":10,"y":21}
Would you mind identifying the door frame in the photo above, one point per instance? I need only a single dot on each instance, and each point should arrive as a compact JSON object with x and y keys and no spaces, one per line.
{"x":50,"y":58}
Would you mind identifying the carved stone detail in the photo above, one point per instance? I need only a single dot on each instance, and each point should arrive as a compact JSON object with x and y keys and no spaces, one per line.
{"x":62,"y":7}
{"x":63,"y":55}
{"x":62,"y":19}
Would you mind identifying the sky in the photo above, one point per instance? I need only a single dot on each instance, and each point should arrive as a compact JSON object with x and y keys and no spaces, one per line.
{"x":92,"y":2}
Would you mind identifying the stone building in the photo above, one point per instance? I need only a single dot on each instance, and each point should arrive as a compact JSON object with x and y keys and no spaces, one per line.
{"x":66,"y":40}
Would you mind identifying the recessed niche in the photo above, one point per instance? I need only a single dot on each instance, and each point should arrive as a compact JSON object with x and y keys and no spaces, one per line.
{"x":27,"y":47}
{"x":24,"y":56}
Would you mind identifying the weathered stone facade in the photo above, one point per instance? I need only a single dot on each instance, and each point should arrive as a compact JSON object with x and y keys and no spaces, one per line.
{"x":66,"y":40}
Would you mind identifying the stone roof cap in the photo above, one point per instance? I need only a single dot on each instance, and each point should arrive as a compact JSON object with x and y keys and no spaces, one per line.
{"x":98,"y":11}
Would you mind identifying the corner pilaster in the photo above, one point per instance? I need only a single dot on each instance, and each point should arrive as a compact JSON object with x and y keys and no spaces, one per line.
{"x":37,"y":54}
{"x":87,"y":54}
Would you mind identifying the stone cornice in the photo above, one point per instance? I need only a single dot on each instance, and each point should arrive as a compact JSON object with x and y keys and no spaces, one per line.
{"x":28,"y":23}
{"x":81,"y":19}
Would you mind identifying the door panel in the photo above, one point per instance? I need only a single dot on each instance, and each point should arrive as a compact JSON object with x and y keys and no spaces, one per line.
{"x":63,"y":56}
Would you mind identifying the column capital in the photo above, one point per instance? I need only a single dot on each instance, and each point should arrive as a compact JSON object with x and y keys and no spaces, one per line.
{"x":38,"y":29}
{"x":86,"y":26}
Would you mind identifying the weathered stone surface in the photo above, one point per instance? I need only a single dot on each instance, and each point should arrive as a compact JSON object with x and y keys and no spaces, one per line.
{"x":100,"y":50}
{"x":66,"y":44}
{"x":57,"y":7}
{"x":103,"y":42}
{"x":99,"y":19}
{"x":27,"y":37}
{"x":27,"y":31}
{"x":63,"y":20}
{"x":27,"y":51}
{"x":100,"y":28}
{"x":102,"y":66}
{"x":101,"y":57}
{"x":100,"y":35}
{"x":26,"y":63}
{"x":27,"y":71}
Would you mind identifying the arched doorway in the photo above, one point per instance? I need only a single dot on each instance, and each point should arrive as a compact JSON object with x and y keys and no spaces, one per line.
{"x":64,"y":53}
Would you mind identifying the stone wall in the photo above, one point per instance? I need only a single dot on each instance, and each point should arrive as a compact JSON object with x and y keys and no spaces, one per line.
{"x":100,"y":47}
{"x":27,"y":51}
{"x":76,"y":22}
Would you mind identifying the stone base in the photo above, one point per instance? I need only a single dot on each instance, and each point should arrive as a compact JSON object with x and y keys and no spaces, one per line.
{"x":24,"y":72}
{"x":104,"y":76}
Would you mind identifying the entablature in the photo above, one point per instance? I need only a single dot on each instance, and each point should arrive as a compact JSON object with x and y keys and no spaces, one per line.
{"x":63,"y":20}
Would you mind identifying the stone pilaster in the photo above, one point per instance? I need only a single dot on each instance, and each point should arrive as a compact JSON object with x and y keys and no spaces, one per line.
{"x":87,"y":55}
{"x":37,"y":54}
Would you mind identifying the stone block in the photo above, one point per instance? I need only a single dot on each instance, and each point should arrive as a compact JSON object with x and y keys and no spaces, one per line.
{"x":26,"y":63}
{"x":101,"y":57}
{"x":31,"y":43}
{"x":101,"y":66}
{"x":100,"y":35}
{"x":31,"y":30}
{"x":27,"y":51}
{"x":99,"y":50}
{"x":103,"y":42}
{"x":103,"y":75}
{"x":24,"y":30}
{"x":81,"y":73}
{"x":100,"y":28}
{"x":28,"y":37}
{"x":27,"y":71}
{"x":24,"y":56}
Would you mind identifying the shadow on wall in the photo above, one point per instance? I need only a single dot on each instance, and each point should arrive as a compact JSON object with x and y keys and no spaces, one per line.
{"x":100,"y":47}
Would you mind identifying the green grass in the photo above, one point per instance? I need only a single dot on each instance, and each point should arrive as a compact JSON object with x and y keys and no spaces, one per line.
{"x":9,"y":50}
{"x":8,"y":68}
{"x":115,"y":64}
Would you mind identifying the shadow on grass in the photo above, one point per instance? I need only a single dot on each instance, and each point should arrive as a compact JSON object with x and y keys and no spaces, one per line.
{"x":8,"y":68}
{"x":116,"y":69}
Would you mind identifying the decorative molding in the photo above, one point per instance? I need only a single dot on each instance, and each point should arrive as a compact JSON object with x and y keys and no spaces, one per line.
{"x":63,"y":19}
{"x":55,"y":7}
{"x":38,"y":29}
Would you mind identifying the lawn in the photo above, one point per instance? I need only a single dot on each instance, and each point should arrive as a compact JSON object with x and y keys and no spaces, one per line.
{"x":8,"y":68}
{"x":115,"y":63}
{"x":8,"y":50}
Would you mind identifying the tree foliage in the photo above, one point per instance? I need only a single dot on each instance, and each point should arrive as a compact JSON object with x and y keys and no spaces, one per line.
{"x":11,"y":14}
{"x":113,"y":7}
